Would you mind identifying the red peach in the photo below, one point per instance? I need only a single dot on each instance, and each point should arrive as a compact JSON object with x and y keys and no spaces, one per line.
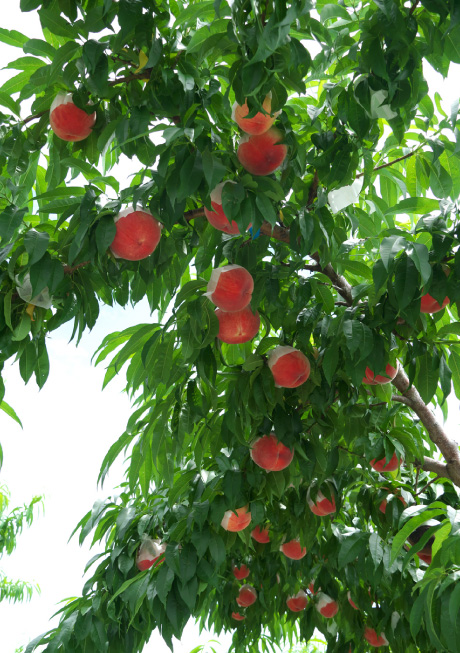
{"x":430,"y":305}
{"x":351,"y":602}
{"x":150,"y":553}
{"x":236,"y":327}
{"x":238,"y":522}
{"x":323,"y":505}
{"x":293,"y":550}
{"x":311,"y":588}
{"x":383,"y":466}
{"x":383,"y":505}
{"x":373,"y":639}
{"x":138,"y":233}
{"x":326,"y":606}
{"x":290,"y":368}
{"x":230,"y":287}
{"x":260,"y":123}
{"x":247,"y":596}
{"x":260,"y":155}
{"x":298,"y":602}
{"x":69,"y":122}
{"x":240,"y":572}
{"x":238,"y":616}
{"x":426,"y":556}
{"x":217,"y":217}
{"x":371,"y":379}
{"x":261,"y":535}
{"x":270,"y":454}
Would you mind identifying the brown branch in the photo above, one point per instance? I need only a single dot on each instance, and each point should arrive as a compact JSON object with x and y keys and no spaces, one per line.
{"x":390,"y":163}
{"x":129,"y":78}
{"x":448,"y":447}
{"x":34,"y":117}
{"x":414,"y":7}
{"x":196,"y":213}
{"x":402,"y":400}
{"x":71,"y":269}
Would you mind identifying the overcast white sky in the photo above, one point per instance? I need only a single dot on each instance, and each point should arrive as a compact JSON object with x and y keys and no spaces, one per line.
{"x":68,"y":428}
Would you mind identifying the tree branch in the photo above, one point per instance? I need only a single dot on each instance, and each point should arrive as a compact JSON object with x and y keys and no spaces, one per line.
{"x":448,"y":447}
{"x":390,"y":163}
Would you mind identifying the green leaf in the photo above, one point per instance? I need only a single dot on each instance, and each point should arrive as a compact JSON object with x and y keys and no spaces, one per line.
{"x":10,"y":412}
{"x":105,"y":233}
{"x":410,"y":526}
{"x":416,"y":205}
{"x":12,"y":37}
{"x":217,"y":550}
{"x":36,"y":244}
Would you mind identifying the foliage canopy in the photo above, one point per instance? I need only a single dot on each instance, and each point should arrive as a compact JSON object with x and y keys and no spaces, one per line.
{"x":356,"y":226}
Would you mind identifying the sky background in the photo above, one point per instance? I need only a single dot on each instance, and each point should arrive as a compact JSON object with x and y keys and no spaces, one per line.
{"x":68,"y":427}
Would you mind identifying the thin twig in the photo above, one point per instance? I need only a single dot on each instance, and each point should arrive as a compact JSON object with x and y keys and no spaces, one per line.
{"x":391,"y":163}
{"x":414,"y":7}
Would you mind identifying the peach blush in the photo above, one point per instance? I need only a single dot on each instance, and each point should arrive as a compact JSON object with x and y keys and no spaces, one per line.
{"x":383,"y":505}
{"x":383,"y":466}
{"x":150,"y":554}
{"x":261,"y":535}
{"x":69,"y":122}
{"x":373,"y":639}
{"x":240,"y":572}
{"x":326,"y":606}
{"x":230,"y":287}
{"x":323,"y":505}
{"x":293,"y":550}
{"x":236,"y":327}
{"x":263,"y":154}
{"x":371,"y":379}
{"x":290,"y":368}
{"x":425,"y":556}
{"x":217,"y":217}
{"x":298,"y":602}
{"x":238,"y":522}
{"x":247,"y":596}
{"x":270,"y":454}
{"x":429,"y":304}
{"x":351,"y":602}
{"x":238,"y":616}
{"x":259,"y":123}
{"x":138,"y":233}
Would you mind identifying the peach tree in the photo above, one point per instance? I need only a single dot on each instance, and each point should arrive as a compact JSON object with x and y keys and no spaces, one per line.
{"x":340,"y":205}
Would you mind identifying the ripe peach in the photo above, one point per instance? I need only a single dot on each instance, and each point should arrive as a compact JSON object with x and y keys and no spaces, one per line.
{"x":371,"y":379}
{"x":373,"y":639}
{"x":298,"y":602}
{"x":430,"y":305}
{"x":68,"y":121}
{"x":240,"y":572}
{"x":138,"y":234}
{"x":217,"y":217}
{"x":311,"y":587}
{"x":247,"y":596}
{"x":383,"y":505}
{"x":270,"y":454}
{"x":323,"y":506}
{"x":260,"y":123}
{"x":424,"y":554}
{"x":351,"y":602}
{"x":149,"y":554}
{"x":238,"y":522}
{"x":293,"y":550}
{"x":236,"y":327}
{"x":260,"y":155}
{"x":230,"y":287}
{"x":327,"y":606}
{"x":290,"y":368}
{"x":383,"y":466}
{"x":238,"y":616}
{"x":261,"y":535}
